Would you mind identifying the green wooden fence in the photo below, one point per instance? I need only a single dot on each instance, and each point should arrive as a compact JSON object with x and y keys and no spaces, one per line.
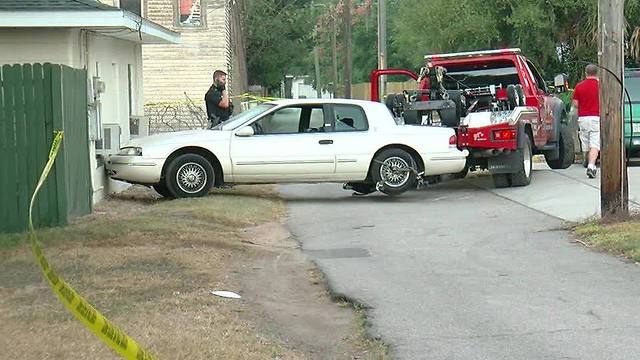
{"x":35,"y":100}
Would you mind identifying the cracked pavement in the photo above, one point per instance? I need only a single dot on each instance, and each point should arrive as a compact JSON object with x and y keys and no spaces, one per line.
{"x":464,"y":271}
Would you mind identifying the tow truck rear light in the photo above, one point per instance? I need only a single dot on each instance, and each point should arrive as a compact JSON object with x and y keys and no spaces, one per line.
{"x":501,"y":94}
{"x":453,"y":141}
{"x":504,"y":134}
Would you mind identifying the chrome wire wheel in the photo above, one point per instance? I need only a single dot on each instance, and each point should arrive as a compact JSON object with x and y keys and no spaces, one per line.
{"x":191,"y":177}
{"x":395,"y":171}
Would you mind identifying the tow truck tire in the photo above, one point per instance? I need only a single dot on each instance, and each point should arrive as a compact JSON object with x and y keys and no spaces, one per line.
{"x":566,"y":150}
{"x":523,"y":176}
{"x":501,"y":180}
{"x":463,"y":173}
{"x":384,"y":171}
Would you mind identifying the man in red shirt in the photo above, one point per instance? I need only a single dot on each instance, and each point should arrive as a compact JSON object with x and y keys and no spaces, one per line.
{"x":586,"y":98}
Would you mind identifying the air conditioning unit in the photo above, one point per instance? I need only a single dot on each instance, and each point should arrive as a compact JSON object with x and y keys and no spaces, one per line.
{"x":110,"y":143}
{"x":138,"y":126}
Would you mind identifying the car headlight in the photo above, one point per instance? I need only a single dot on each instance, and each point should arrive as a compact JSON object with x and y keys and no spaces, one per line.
{"x":130,"y":151}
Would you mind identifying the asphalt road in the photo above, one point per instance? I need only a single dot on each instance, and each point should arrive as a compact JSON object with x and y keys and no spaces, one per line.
{"x":464,"y":271}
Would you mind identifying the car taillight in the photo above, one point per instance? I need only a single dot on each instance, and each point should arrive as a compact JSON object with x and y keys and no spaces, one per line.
{"x":453,"y":141}
{"x":504,"y":135}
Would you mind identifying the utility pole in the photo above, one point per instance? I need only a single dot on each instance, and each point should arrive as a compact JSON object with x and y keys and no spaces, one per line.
{"x":347,"y":48}
{"x":334,"y":46}
{"x":316,"y":60}
{"x":382,"y":44}
{"x":613,"y":189}
{"x":238,"y":35}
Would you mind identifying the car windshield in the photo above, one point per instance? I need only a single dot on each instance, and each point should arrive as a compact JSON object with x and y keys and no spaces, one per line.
{"x":239,"y":119}
{"x":632,"y":84}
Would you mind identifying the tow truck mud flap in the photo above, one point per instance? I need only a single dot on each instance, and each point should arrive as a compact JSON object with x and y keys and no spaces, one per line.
{"x":506,"y":163}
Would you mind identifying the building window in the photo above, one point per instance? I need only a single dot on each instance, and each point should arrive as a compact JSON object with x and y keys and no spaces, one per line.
{"x":190,"y":13}
{"x":133,"y":6}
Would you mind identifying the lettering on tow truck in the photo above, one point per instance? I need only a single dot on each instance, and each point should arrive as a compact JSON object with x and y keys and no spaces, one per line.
{"x":479,"y":136}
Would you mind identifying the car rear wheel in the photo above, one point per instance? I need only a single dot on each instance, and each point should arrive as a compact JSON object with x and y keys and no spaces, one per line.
{"x":392,"y":171}
{"x":189,"y":175}
{"x":361,"y":187}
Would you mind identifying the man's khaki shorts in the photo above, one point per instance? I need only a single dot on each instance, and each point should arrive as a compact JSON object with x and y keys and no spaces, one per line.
{"x":589,"y":132}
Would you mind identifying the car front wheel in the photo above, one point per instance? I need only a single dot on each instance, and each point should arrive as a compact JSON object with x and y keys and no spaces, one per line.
{"x":162,"y":189}
{"x":189,"y":175}
{"x":393,"y":171}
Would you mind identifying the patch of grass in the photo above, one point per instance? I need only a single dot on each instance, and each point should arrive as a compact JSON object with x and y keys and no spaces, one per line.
{"x":151,"y":216}
{"x":371,"y":348}
{"x":621,"y":238}
{"x":148,"y":264}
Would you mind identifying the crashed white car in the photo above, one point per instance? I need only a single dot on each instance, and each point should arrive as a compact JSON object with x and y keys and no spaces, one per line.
{"x":293,"y":141}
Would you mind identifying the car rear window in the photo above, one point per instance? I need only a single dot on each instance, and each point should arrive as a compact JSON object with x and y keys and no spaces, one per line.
{"x":349,"y":118}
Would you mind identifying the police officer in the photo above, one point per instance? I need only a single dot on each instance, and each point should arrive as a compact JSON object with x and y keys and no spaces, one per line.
{"x":219,"y":106}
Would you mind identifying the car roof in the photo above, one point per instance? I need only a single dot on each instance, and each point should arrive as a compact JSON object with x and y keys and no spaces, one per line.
{"x":632,"y":72}
{"x":321,"y":101}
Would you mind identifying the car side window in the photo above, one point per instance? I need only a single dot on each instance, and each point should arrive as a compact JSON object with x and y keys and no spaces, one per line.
{"x":316,"y":120}
{"x":349,"y":118}
{"x":283,"y":121}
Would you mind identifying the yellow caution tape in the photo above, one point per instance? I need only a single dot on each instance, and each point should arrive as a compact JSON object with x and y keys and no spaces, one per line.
{"x":72,"y":300}
{"x":246,"y":96}
{"x":256,"y":98}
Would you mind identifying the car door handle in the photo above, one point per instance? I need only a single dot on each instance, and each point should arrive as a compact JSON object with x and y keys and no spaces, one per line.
{"x":325,"y":142}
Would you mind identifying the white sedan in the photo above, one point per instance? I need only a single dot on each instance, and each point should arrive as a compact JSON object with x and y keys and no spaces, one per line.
{"x":293,"y":141}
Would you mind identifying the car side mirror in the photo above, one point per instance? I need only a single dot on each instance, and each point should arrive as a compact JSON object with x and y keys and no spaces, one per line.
{"x":246,"y":131}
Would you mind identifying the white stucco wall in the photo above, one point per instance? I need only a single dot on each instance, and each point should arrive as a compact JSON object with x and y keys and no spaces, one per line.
{"x":109,"y":58}
{"x":102,"y":56}
{"x":57,"y":46}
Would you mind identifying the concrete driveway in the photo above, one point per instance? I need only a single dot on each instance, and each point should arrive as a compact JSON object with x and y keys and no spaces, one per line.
{"x":465,"y":271}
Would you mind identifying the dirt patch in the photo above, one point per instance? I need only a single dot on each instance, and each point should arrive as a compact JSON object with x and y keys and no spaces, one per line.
{"x":149,"y":265}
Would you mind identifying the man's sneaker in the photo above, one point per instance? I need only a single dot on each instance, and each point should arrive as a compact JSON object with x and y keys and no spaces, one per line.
{"x":592,"y":172}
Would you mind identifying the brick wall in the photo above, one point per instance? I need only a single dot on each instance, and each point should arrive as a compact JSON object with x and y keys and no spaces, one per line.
{"x":172,"y":70}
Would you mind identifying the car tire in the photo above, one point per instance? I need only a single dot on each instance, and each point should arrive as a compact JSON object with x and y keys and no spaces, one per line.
{"x":523,"y":176}
{"x":501,"y":180}
{"x":189,"y":175}
{"x":566,"y":150}
{"x":162,"y":189}
{"x":387,"y":170}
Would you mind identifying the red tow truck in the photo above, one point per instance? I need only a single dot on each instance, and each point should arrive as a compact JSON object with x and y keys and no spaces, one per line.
{"x":499,"y":105}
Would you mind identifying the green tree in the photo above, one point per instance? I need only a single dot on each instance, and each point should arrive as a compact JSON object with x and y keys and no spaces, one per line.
{"x":278,"y":40}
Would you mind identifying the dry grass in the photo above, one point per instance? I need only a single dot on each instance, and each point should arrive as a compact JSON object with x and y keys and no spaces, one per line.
{"x":147,"y":264}
{"x":621,"y":238}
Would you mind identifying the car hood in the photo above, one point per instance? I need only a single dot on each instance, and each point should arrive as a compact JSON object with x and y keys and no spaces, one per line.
{"x":179,"y":137}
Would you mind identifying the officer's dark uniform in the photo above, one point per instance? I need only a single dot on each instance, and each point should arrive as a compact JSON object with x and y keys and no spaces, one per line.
{"x":215,"y":113}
